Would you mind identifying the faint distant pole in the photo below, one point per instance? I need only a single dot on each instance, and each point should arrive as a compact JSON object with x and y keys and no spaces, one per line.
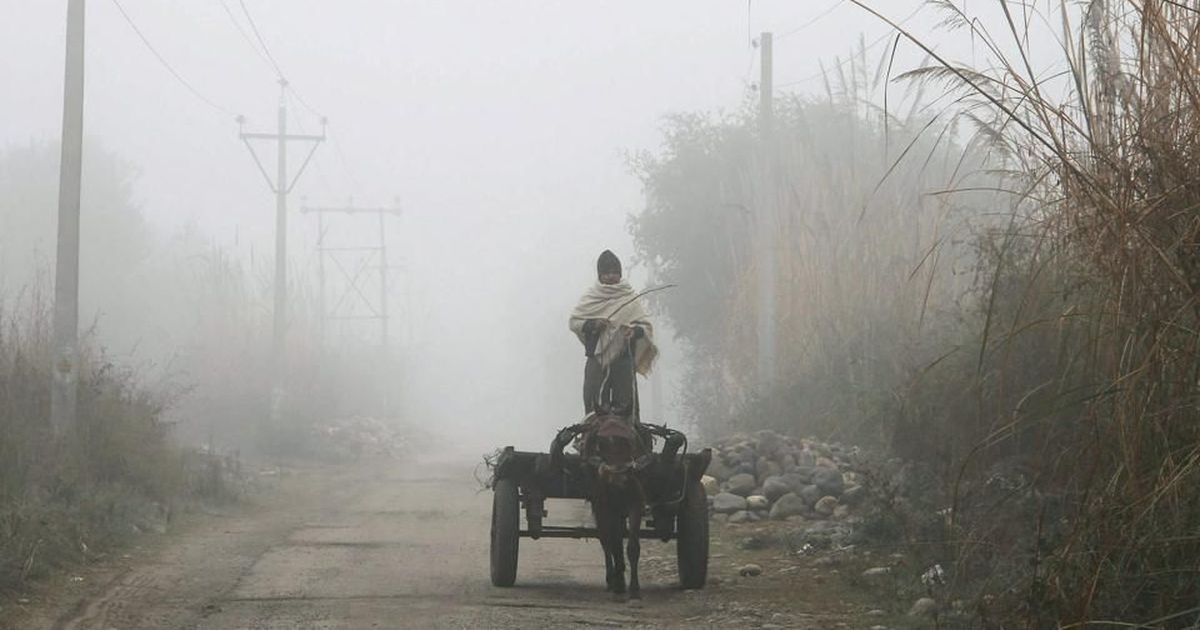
{"x":281,"y":186}
{"x":65,"y":371}
{"x":766,"y":222}
{"x":321,"y":282}
{"x":656,"y":380}
{"x":384,"y":350}
{"x":383,"y":285}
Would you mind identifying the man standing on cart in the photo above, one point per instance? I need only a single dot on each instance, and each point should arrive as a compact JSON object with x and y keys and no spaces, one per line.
{"x":617,"y":338}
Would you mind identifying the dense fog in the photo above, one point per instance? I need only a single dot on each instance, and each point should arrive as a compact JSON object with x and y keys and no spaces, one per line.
{"x":503,"y":131}
{"x":922,"y":285}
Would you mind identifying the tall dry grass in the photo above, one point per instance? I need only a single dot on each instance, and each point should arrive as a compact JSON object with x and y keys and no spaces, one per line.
{"x":872,"y":258}
{"x":1005,"y":289}
{"x":1100,"y":276}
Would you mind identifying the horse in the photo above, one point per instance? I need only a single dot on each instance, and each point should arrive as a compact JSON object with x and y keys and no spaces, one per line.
{"x":616,"y":454}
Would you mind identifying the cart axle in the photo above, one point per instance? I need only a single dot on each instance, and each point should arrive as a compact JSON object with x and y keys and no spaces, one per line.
{"x":549,"y":531}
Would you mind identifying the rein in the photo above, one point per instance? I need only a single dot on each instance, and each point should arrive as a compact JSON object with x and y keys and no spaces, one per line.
{"x":637,"y":465}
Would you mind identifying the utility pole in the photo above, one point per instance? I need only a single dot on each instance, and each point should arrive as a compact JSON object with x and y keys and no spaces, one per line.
{"x":766,"y":222}
{"x":65,"y":371}
{"x":281,"y":186}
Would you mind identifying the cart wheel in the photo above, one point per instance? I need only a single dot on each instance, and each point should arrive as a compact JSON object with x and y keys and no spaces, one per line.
{"x":506,"y":523}
{"x":691,"y":544}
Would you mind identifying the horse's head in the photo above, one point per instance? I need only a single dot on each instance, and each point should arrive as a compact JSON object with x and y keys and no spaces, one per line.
{"x":615,"y":450}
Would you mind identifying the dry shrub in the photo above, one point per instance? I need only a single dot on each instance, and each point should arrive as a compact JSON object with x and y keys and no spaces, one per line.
{"x":64,"y":499}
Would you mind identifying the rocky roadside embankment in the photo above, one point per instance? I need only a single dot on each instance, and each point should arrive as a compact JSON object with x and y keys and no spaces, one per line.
{"x":795,"y":511}
{"x":771,"y":476}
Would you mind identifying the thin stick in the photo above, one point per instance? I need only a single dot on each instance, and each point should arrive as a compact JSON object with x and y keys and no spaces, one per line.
{"x":635,"y":298}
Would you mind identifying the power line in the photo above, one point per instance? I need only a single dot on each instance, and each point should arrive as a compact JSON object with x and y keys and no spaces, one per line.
{"x":750,"y":42}
{"x":273,"y":62}
{"x":304,"y":103}
{"x":337,"y":148}
{"x":838,"y":65}
{"x":244,"y":34}
{"x":820,"y":16}
{"x":163,"y":61}
{"x":749,"y":68}
{"x":749,"y":22}
{"x":843,"y":62}
{"x":254,"y":27}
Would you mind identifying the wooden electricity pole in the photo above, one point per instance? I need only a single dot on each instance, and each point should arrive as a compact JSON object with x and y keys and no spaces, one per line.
{"x":65,"y":371}
{"x":766,"y":221}
{"x":281,"y":186}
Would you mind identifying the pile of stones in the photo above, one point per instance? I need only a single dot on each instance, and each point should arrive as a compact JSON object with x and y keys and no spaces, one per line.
{"x":354,"y":437}
{"x":771,"y":476}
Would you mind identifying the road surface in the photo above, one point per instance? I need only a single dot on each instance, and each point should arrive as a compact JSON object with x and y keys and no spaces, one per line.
{"x":372,"y":546}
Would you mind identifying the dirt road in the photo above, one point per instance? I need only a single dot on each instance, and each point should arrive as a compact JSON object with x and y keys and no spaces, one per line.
{"x":385,"y":545}
{"x":369,"y":546}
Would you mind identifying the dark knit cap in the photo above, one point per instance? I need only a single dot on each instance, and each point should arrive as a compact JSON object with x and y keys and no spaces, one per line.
{"x":608,"y":263}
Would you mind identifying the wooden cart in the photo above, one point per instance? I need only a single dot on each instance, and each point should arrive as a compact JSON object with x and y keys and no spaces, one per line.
{"x":524,"y":480}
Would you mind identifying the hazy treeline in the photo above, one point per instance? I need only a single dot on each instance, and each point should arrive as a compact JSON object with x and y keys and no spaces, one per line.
{"x":175,"y":372}
{"x":190,"y":316}
{"x":1004,"y":288}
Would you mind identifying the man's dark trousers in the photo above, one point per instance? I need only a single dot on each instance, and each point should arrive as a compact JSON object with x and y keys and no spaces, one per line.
{"x":609,"y":390}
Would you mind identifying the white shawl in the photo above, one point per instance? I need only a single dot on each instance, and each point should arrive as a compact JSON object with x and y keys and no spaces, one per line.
{"x":622,"y":308}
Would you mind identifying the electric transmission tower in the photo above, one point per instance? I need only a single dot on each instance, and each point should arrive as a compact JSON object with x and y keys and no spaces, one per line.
{"x":369,"y":258}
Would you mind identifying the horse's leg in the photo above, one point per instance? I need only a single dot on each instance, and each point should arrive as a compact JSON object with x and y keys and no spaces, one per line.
{"x":618,"y":558}
{"x":635,"y":547}
{"x":600,"y":516}
{"x":608,"y":564}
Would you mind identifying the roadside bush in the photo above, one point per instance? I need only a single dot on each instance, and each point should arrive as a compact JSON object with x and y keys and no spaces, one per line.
{"x":116,"y":473}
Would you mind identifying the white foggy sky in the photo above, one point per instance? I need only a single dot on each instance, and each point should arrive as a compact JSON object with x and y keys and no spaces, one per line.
{"x":453,"y":106}
{"x":500,"y":126}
